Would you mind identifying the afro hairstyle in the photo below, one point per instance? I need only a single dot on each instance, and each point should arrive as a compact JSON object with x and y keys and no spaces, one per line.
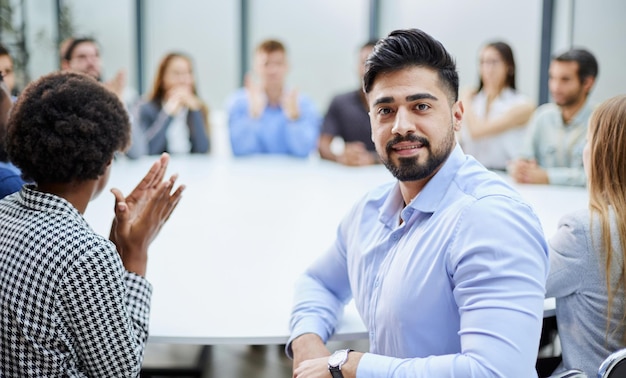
{"x":66,"y":127}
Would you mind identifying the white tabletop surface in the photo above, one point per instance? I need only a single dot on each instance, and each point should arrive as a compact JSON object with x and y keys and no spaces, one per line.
{"x":224,"y":266}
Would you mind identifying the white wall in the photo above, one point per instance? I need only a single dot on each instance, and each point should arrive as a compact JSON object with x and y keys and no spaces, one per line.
{"x":208,"y":31}
{"x":323,"y":36}
{"x":465,"y":26}
{"x":599,"y":27}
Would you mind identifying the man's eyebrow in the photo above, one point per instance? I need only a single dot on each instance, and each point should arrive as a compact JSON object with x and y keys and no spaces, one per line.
{"x":421,"y":96}
{"x":410,"y":98}
{"x":383,"y":100}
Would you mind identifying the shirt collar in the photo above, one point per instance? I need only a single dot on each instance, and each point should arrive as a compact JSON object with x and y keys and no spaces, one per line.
{"x":431,"y":195}
{"x":434,"y":191}
{"x":46,"y":202}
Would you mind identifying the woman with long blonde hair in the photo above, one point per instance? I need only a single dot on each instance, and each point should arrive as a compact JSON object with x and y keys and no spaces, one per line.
{"x":587,"y":272}
{"x":173,"y":118}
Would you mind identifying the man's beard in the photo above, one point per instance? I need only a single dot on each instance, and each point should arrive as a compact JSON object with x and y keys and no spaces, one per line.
{"x":408,"y":168}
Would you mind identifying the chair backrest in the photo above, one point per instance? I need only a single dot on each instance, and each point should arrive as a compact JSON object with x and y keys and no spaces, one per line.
{"x":572,"y":373}
{"x":614,"y":366}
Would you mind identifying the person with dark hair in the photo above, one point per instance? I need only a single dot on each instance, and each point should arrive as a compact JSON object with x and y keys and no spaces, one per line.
{"x":496,"y":113}
{"x":440,"y":292}
{"x":72,"y":302}
{"x":552,"y":151}
{"x":265,"y":117}
{"x":82,"y":54}
{"x":10,"y":180}
{"x":173,"y":118}
{"x":348,"y":120}
{"x":6,"y":69}
{"x":587,"y":253}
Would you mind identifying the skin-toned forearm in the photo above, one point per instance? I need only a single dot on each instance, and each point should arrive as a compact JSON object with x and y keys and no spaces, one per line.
{"x":311,"y":358}
{"x":306,"y":347}
{"x":323,"y":147}
{"x":515,"y":117}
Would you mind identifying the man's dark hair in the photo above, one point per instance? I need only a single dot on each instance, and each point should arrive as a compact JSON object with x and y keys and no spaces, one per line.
{"x":407,"y":48}
{"x":75,"y":42}
{"x":66,"y":127}
{"x":4,"y":50}
{"x":587,"y":63}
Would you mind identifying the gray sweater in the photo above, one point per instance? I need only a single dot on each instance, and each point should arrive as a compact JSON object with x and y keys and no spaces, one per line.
{"x":577,"y":280}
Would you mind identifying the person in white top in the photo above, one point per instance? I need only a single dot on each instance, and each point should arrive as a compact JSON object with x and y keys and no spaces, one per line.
{"x":496,"y":114}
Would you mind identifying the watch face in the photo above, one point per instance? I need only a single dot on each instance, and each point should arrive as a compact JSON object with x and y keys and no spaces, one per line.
{"x":338,"y":358}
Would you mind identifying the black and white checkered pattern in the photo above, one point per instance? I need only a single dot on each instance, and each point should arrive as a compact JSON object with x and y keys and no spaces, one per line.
{"x":68,"y":308}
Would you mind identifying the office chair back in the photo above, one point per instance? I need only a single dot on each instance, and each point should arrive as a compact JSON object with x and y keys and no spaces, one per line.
{"x":614,"y":366}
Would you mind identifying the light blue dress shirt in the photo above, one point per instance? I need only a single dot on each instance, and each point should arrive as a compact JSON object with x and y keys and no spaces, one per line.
{"x":272,"y":132}
{"x":556,"y":146}
{"x":455,"y":290}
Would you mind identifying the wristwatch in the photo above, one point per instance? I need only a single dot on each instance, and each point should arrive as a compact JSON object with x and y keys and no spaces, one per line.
{"x":336,"y":361}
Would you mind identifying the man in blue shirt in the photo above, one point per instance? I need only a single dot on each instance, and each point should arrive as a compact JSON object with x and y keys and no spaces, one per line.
{"x":265,"y":117}
{"x":447,"y":266}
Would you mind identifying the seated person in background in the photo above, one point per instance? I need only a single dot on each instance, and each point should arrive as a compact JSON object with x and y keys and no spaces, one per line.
{"x":6,"y":69}
{"x":440,"y":293}
{"x":266,"y":117}
{"x":552,"y":150}
{"x":10,"y":179}
{"x":82,"y":54}
{"x":73,"y":303}
{"x":587,"y":274}
{"x":347,"y":119}
{"x":496,"y":114}
{"x":173,"y":118}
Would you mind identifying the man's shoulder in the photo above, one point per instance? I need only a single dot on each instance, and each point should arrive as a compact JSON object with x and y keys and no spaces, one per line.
{"x":346,"y":96}
{"x":547,"y":110}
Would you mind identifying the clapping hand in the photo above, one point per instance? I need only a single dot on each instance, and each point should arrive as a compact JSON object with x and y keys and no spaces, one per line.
{"x":140,"y":216}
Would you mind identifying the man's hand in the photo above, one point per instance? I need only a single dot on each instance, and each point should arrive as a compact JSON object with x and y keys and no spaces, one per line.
{"x":256,"y":96}
{"x":290,"y":105}
{"x":528,"y":172}
{"x":310,"y":358}
{"x":117,"y":84}
{"x":140,"y":216}
{"x":355,"y":154}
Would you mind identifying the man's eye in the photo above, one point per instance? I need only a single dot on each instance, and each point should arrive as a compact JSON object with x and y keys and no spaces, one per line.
{"x":422,"y":107}
{"x":384,"y":111}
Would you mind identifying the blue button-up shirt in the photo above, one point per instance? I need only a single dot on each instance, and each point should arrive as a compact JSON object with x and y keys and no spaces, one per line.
{"x":272,"y":132}
{"x":454,"y":290}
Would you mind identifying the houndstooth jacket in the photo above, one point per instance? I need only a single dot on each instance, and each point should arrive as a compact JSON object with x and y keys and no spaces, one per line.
{"x":68,"y":308}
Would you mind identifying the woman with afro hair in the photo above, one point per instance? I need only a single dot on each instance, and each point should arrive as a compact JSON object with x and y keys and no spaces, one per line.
{"x":73,"y":303}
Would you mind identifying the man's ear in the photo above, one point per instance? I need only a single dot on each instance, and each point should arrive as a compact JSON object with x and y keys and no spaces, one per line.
{"x":65,"y":64}
{"x":457,"y":115}
{"x":588,"y":83}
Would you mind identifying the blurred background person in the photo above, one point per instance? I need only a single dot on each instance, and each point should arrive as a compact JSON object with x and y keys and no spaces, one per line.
{"x":10,"y":176}
{"x":553,"y":145}
{"x":83,"y":55}
{"x":6,"y":69}
{"x":348,"y":119}
{"x":173,"y":118}
{"x":587,"y":272}
{"x":266,"y":117}
{"x":496,"y":113}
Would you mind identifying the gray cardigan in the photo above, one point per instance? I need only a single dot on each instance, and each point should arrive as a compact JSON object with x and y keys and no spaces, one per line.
{"x":154,"y":122}
{"x":577,"y":281}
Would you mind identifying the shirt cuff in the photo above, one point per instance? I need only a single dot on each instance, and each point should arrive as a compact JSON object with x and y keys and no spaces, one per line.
{"x":306,"y":326}
{"x":374,"y":365}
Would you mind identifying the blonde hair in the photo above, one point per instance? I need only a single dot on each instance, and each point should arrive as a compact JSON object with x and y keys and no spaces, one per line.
{"x":607,"y":186}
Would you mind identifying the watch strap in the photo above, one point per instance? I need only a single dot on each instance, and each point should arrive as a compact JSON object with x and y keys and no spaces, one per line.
{"x":335,"y":372}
